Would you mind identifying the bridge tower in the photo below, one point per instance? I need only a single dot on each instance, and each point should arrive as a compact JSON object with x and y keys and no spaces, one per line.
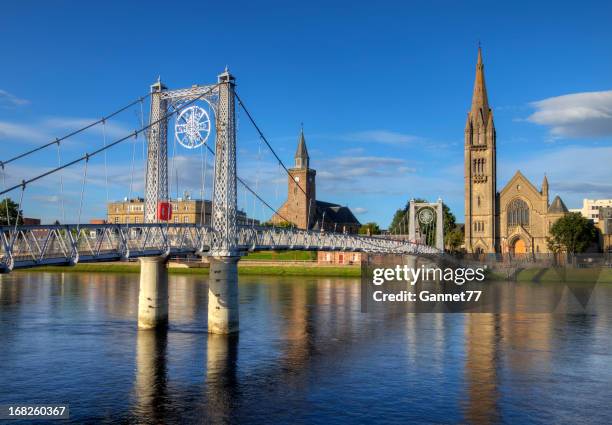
{"x":156,"y":174}
{"x":153,"y":291}
{"x":224,"y":256}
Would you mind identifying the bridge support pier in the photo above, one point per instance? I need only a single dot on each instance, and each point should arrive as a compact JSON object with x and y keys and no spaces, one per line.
{"x":411,"y":262}
{"x":153,"y":295}
{"x":223,"y":295}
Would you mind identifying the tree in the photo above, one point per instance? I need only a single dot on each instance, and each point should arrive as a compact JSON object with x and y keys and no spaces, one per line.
{"x":572,"y":234}
{"x":283,"y":224}
{"x":13,"y":212}
{"x":454,"y":239}
{"x":369,"y":229}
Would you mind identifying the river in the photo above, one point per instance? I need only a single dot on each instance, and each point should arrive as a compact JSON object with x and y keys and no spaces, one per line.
{"x":305,"y":354}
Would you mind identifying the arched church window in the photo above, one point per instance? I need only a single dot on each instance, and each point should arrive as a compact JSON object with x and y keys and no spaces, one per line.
{"x":518,"y":213}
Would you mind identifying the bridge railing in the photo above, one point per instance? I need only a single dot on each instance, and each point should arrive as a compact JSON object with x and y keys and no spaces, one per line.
{"x":28,"y":246}
{"x":278,"y":238}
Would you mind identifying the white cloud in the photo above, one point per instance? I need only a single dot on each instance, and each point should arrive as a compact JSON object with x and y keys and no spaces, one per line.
{"x":576,"y":115}
{"x":360,"y":210}
{"x":27,"y":133}
{"x":10,"y":100}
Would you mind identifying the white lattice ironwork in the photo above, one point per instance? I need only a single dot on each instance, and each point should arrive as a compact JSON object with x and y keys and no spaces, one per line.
{"x":221,"y":98}
{"x":192,"y":127}
{"x":421,"y":220}
{"x":156,"y":173}
{"x":224,"y":196}
{"x":29,"y":246}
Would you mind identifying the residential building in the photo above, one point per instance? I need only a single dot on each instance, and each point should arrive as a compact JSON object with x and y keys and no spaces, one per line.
{"x":590,"y":208}
{"x":184,"y":210}
{"x":604,"y":224}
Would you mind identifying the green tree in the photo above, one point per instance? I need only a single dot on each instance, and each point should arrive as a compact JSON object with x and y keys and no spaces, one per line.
{"x":572,"y":234}
{"x":369,"y":228}
{"x":13,"y":212}
{"x":283,"y":224}
{"x":454,"y":239}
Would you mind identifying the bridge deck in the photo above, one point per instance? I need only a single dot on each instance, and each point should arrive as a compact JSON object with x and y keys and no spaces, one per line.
{"x":30,"y":246}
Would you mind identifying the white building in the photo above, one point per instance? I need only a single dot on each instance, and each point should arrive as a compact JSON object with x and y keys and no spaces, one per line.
{"x":590,"y":208}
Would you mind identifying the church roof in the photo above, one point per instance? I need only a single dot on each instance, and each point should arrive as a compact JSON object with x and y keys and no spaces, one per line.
{"x":557,"y":206}
{"x":334,"y":213}
{"x":301,"y":151}
{"x":480,"y":101}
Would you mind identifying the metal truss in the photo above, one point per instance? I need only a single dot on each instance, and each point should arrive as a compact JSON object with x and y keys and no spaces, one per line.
{"x":156,"y":174}
{"x":225,"y":191}
{"x":269,"y":238}
{"x":179,"y":97}
{"x":29,"y":246}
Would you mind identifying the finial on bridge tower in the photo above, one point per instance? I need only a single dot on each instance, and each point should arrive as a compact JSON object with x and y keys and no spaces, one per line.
{"x":226,"y":76}
{"x":158,"y":85}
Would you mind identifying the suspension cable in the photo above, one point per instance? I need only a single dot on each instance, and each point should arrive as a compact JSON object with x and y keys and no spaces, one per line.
{"x":110,"y":145}
{"x":23,"y":187}
{"x":261,"y":135}
{"x":74,"y":133}
{"x":105,"y":160}
{"x":8,"y":216}
{"x":61,"y":176}
{"x":82,"y":193}
{"x":131,"y":181}
{"x":247,"y":187}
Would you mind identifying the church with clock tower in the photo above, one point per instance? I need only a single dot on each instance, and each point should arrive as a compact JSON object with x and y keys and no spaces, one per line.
{"x":302,"y":209}
{"x":518,"y":218}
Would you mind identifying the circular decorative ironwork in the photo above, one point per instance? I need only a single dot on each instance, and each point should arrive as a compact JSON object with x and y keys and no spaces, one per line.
{"x":192,"y":127}
{"x":426,"y":216}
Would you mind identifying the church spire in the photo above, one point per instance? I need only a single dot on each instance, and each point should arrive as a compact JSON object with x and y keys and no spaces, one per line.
{"x":301,"y":154}
{"x":480,"y":102}
{"x":544,"y":189}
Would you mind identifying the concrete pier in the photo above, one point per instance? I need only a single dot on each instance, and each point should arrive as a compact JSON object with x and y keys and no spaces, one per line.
{"x":411,"y":262}
{"x":153,"y":295}
{"x":223,"y":295}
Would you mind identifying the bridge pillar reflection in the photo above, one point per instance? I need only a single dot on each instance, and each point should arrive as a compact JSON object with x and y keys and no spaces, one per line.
{"x":223,"y":295}
{"x":153,"y":294}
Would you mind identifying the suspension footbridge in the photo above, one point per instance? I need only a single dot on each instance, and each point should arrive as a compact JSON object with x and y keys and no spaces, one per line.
{"x":156,"y":238}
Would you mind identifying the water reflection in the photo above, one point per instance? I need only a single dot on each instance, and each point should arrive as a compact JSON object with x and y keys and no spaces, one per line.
{"x":482,"y":333}
{"x":150,"y":387}
{"x":306,"y":354}
{"x":221,"y":379}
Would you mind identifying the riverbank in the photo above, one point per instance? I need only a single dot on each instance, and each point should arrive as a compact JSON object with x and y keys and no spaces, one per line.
{"x":244,"y":268}
{"x":302,"y":268}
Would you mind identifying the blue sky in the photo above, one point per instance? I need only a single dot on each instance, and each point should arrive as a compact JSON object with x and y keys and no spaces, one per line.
{"x":382,"y":88}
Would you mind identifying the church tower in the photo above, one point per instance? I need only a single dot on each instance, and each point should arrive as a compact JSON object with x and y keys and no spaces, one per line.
{"x":301,"y":199}
{"x":480,"y":171}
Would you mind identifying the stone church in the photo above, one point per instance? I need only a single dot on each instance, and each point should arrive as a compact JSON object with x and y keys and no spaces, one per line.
{"x":515,"y":220}
{"x":302,"y":207}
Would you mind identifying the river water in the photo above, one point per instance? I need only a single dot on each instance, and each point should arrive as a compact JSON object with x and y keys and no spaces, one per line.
{"x":305,"y":354}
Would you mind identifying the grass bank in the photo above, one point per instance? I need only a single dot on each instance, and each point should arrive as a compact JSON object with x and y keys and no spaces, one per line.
{"x":289,"y":270}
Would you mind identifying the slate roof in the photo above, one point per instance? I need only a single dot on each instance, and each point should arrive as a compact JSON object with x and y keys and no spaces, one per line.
{"x":334,"y":213}
{"x":557,"y":206}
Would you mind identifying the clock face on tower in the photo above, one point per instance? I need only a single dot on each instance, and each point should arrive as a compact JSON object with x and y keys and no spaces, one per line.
{"x":296,"y":178}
